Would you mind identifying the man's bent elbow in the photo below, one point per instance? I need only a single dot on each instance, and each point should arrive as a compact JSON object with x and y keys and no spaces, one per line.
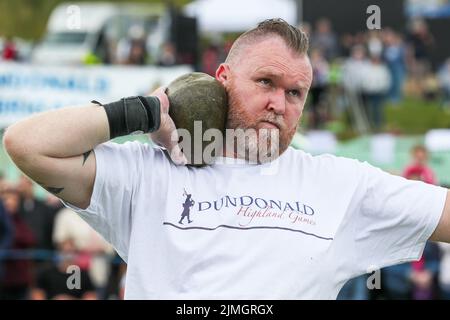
{"x":12,"y":144}
{"x":16,"y":147}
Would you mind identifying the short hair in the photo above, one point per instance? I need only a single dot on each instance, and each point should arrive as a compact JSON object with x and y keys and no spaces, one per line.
{"x":293,"y":37}
{"x":419,"y":148}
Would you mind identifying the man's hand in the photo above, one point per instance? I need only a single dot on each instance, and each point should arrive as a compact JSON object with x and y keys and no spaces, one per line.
{"x":167,"y":135}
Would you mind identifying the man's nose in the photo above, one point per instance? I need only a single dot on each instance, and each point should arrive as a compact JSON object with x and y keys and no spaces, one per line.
{"x":277,"y":101}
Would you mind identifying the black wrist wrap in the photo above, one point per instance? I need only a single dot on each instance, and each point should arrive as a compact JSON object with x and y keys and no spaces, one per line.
{"x":132,"y":115}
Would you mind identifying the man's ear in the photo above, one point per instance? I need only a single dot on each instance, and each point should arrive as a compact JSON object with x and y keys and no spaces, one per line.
{"x":222,"y":73}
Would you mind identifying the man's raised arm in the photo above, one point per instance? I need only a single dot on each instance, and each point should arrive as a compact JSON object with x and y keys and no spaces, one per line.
{"x":55,"y":148}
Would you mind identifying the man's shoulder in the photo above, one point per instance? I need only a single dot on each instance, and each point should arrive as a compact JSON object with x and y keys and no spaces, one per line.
{"x":298,"y":155}
{"x":327,"y":166}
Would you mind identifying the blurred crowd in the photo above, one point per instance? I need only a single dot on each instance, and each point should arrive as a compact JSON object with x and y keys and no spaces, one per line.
{"x":48,"y":252}
{"x":365,"y":70}
{"x":372,"y":68}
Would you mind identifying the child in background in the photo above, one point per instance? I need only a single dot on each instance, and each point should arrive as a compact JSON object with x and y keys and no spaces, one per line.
{"x":419,"y":169}
{"x":424,"y":272}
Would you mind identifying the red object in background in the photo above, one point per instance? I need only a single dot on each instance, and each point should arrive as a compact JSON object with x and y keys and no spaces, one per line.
{"x":419,"y":265}
{"x":424,"y":173}
{"x":9,"y":51}
{"x":210,"y":60}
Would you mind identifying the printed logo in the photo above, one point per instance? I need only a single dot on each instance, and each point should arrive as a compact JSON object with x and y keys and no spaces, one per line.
{"x":188,"y":203}
{"x":248,"y":212}
{"x":248,"y":209}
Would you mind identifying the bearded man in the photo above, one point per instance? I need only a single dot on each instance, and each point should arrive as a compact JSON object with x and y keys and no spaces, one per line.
{"x":297,"y":232}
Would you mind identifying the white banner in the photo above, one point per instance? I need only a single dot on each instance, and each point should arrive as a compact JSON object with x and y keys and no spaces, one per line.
{"x":26,"y":89}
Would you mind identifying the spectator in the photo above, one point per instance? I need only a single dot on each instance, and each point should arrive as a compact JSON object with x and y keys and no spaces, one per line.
{"x":394,"y":55}
{"x":132,"y":49}
{"x":374,"y":44}
{"x":210,"y":60}
{"x":18,"y":273}
{"x":167,"y":56}
{"x":444,"y":268}
{"x":418,"y":169}
{"x":324,"y":39}
{"x":138,"y":49}
{"x":444,"y":80}
{"x":138,"y":53}
{"x":116,"y":279}
{"x":6,"y":234}
{"x":420,"y":42}
{"x":94,"y":253}
{"x":375,"y":84}
{"x":9,"y":50}
{"x":424,"y":274}
{"x":53,"y":282}
{"x":122,"y":51}
{"x":354,"y":69}
{"x":318,"y":87}
{"x":38,"y":216}
{"x":346,"y":44}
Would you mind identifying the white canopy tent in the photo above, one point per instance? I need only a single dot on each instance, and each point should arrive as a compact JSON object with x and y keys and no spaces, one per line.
{"x":239,"y":15}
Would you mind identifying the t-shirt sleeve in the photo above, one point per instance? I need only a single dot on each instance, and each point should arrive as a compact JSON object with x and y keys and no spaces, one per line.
{"x":397,"y":216}
{"x":118,"y":173}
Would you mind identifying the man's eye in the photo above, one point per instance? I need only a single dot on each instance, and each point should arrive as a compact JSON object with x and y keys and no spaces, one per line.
{"x":294,"y":93}
{"x":264,"y":81}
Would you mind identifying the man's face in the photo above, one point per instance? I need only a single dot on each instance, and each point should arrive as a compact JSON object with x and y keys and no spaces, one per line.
{"x":267,"y":89}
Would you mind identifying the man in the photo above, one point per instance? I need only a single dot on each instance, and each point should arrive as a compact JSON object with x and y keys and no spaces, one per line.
{"x":298,"y":231}
{"x":37,"y":214}
{"x":18,"y":273}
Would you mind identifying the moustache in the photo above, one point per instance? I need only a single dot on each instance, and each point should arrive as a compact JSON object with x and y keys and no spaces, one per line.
{"x":277,"y":120}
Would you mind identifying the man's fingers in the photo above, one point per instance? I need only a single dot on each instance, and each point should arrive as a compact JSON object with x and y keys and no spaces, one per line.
{"x":177,"y":155}
{"x":167,"y":137}
{"x":174,"y":148}
{"x":162,"y":96}
{"x":160,"y":91}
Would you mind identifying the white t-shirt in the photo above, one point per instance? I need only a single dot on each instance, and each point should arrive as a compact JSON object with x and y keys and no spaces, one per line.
{"x":296,"y":228}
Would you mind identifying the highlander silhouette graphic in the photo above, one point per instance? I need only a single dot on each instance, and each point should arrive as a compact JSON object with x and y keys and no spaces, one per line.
{"x":188,"y":203}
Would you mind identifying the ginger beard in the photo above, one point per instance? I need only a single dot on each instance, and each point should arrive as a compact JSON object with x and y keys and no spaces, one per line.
{"x":268,"y":144}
